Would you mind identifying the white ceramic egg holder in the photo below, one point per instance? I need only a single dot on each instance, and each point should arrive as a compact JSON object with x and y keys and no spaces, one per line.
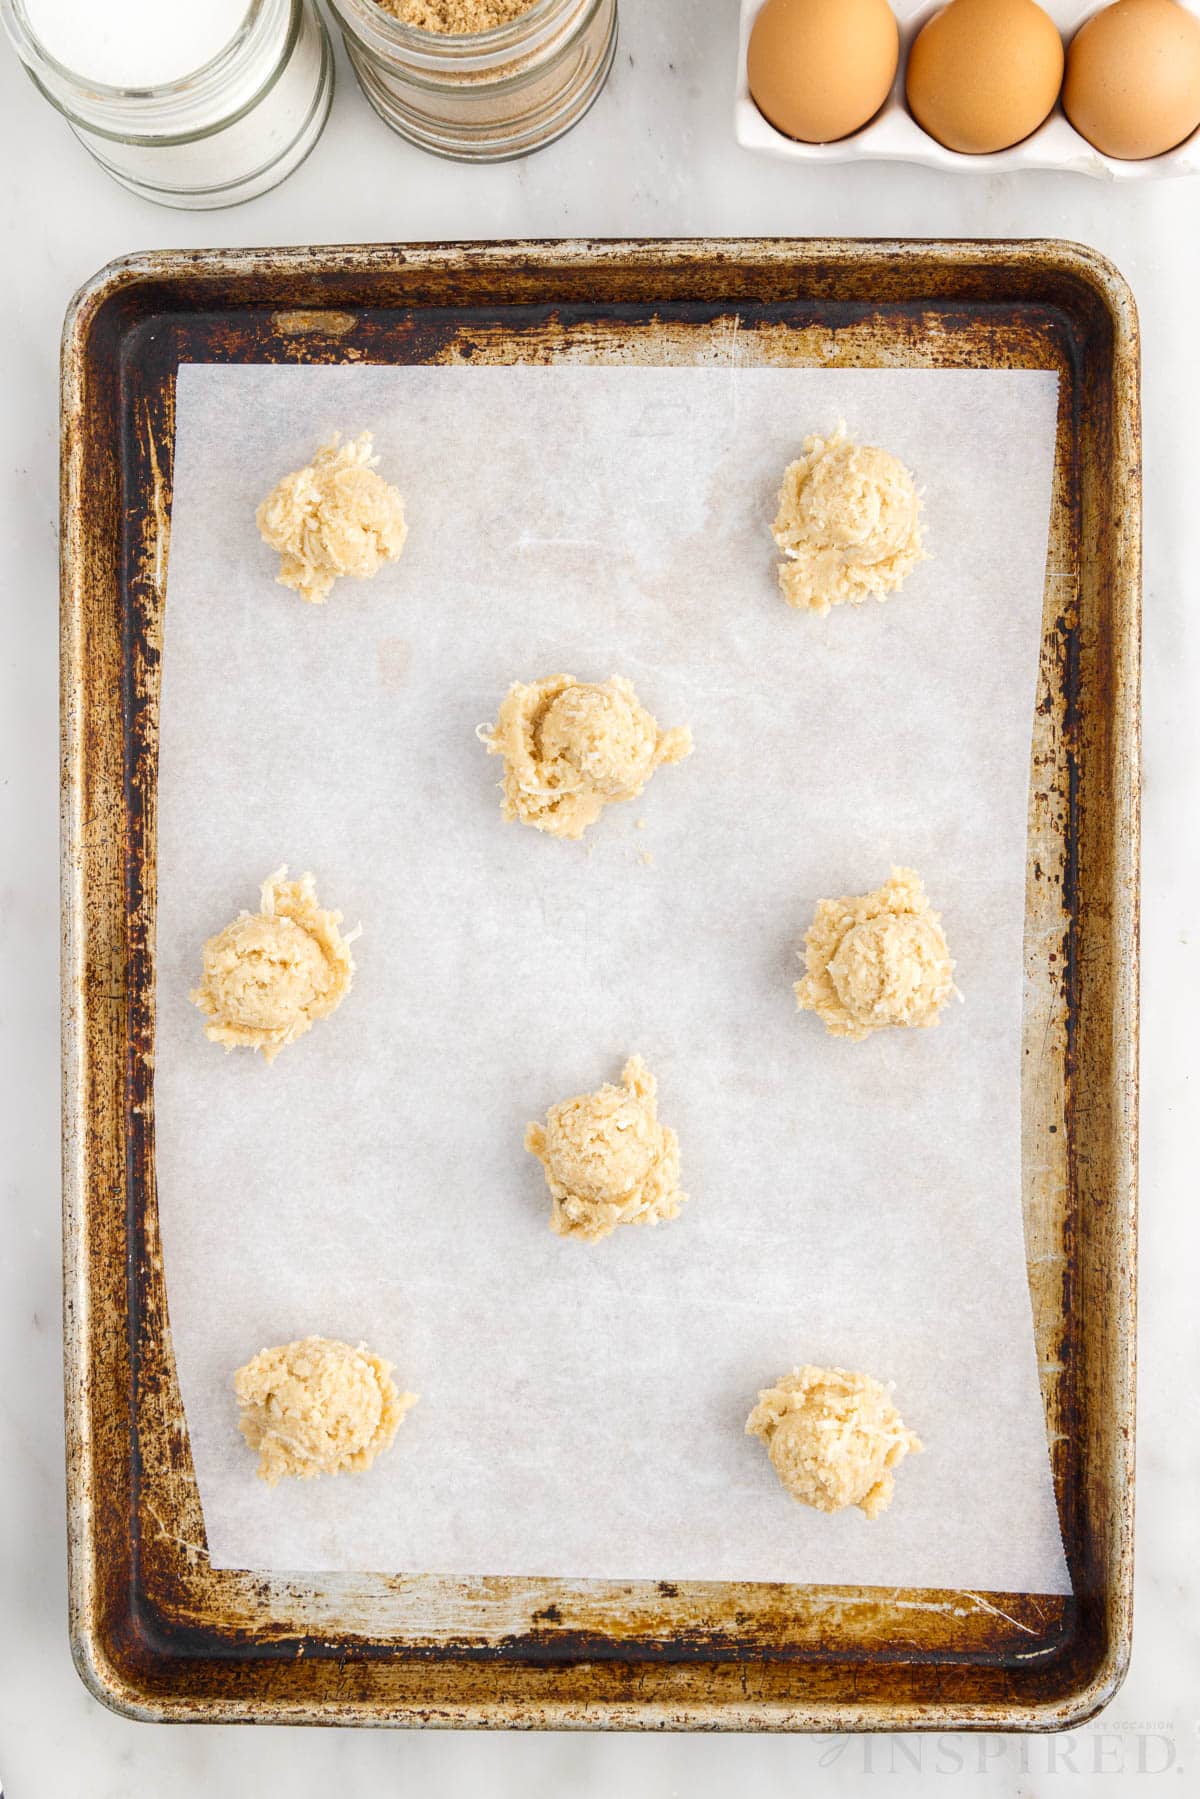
{"x":893,"y":135}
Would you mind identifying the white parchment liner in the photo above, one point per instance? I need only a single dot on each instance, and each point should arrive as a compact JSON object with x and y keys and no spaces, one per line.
{"x":582,"y":1409}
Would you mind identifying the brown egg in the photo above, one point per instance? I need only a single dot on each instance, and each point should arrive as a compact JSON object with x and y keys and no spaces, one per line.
{"x":1133,"y":78}
{"x":819,"y":69}
{"x":983,"y":74}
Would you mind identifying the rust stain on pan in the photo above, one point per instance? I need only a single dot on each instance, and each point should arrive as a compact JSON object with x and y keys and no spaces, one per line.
{"x":313,"y":324}
{"x":156,"y":1631}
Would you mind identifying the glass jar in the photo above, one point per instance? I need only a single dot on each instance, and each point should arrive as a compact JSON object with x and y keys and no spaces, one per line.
{"x":223,"y":133}
{"x":488,"y":95}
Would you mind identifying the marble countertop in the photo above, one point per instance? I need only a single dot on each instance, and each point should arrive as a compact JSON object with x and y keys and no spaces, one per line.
{"x":655,"y":157}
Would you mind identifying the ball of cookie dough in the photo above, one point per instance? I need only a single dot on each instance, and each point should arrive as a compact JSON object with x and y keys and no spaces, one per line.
{"x":848,"y":524}
{"x":570,"y":748}
{"x":604,"y":734}
{"x":607,"y":1159}
{"x":269,"y":975}
{"x":318,"y":1407}
{"x":875,"y":960}
{"x":334,"y":517}
{"x":834,"y":1438}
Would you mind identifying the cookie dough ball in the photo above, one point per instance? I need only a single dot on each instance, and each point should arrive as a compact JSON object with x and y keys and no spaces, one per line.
{"x":271,"y":974}
{"x":318,"y":1407}
{"x":876,"y":959}
{"x":334,"y":517}
{"x":571,"y":747}
{"x":848,"y":524}
{"x":833,"y":1438}
{"x":607,"y":1159}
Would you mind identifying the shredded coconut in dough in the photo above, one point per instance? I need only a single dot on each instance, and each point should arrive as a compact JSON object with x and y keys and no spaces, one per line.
{"x":457,"y":17}
{"x":607,"y":1159}
{"x":876,"y":959}
{"x":833,"y":1437}
{"x":270,"y":974}
{"x":334,"y":517}
{"x":318,"y":1407}
{"x":848,"y":524}
{"x":571,"y":748}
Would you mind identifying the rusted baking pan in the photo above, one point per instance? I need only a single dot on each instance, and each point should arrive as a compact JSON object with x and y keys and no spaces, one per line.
{"x":157,"y":1632}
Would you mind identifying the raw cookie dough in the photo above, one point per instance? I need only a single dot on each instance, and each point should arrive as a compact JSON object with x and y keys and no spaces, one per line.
{"x":335,"y":517}
{"x":876,"y":959}
{"x":270,"y":974}
{"x":848,"y":524}
{"x":318,"y":1407}
{"x":607,"y":1159}
{"x":571,"y":747}
{"x":833,"y":1437}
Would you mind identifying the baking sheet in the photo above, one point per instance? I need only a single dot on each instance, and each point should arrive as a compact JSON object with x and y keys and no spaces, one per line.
{"x":582,"y":1409}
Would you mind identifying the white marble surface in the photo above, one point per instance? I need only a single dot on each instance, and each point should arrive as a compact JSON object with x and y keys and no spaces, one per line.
{"x":655,"y":157}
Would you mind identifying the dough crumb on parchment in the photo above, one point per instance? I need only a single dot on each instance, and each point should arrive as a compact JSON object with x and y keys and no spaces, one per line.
{"x":834,"y":1438}
{"x":333,"y":517}
{"x":848,"y":524}
{"x":607,"y":1159}
{"x":269,"y":975}
{"x":317,"y":1407}
{"x":875,"y":960}
{"x":571,"y":747}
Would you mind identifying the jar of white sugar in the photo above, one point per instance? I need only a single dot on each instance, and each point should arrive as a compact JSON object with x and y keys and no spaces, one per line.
{"x":193,"y":103}
{"x":480,"y":80}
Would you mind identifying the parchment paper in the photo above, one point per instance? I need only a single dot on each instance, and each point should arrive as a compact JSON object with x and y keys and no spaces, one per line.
{"x":582,"y":1409}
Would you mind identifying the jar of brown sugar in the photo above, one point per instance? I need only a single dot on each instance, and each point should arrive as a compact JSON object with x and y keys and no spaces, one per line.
{"x":480,"y":80}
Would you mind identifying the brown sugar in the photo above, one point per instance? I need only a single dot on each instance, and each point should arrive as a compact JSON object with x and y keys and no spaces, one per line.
{"x":456,"y":18}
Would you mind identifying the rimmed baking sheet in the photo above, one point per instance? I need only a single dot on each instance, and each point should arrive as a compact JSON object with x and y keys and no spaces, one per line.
{"x":158,"y":1628}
